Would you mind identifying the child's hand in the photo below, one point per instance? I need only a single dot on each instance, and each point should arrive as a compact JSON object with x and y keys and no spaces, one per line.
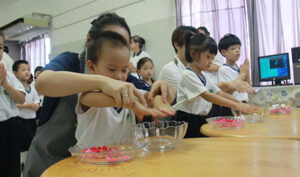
{"x":3,"y":79}
{"x":140,"y":111}
{"x":241,"y":86}
{"x":247,"y":108}
{"x":34,"y":106}
{"x":160,"y":105}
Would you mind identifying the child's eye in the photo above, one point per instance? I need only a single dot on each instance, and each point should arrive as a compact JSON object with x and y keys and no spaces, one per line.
{"x":112,"y":70}
{"x":124,"y":71}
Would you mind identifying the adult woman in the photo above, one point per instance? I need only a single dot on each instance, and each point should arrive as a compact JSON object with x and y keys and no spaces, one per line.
{"x":59,"y":82}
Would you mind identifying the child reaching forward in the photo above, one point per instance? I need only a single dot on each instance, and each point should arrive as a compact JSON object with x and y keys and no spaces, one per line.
{"x":99,"y":121}
{"x":196,"y":95}
{"x":145,"y":69}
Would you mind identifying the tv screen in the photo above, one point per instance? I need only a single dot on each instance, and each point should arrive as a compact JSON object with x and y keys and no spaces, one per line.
{"x":274,"y":67}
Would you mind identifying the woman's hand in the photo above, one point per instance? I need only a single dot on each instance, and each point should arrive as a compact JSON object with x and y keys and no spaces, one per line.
{"x":164,"y":89}
{"x":123,"y":93}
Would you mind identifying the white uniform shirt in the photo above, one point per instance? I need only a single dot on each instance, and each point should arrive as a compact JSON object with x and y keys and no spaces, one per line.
{"x":213,"y":76}
{"x":190,"y":87}
{"x":135,"y":59}
{"x":7,"y":61}
{"x":31,"y":97}
{"x":8,"y":107}
{"x":172,"y":72}
{"x":229,"y":73}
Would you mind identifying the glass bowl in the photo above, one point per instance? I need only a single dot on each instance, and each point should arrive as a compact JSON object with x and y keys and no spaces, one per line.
{"x":161,"y":136}
{"x":227,"y":122}
{"x":106,"y":154}
{"x":278,"y":109}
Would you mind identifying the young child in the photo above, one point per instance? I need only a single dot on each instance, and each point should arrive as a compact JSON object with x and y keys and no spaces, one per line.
{"x":26,"y":122}
{"x":230,"y":46}
{"x":99,"y":121}
{"x":145,"y":69}
{"x":11,"y":92}
{"x":196,"y":95}
{"x":137,"y":44}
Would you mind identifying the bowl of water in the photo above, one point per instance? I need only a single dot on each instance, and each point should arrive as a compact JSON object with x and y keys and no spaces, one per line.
{"x":161,"y":136}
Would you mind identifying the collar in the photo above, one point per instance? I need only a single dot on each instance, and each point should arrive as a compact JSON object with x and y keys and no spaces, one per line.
{"x":137,"y":53}
{"x":202,"y":79}
{"x":29,"y":90}
{"x":235,"y":69}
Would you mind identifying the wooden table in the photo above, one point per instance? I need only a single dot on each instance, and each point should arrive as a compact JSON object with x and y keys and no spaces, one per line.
{"x":208,"y":157}
{"x":273,"y":126}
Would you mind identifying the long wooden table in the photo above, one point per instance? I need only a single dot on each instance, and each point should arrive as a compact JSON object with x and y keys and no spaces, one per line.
{"x":211,"y":157}
{"x":273,"y":126}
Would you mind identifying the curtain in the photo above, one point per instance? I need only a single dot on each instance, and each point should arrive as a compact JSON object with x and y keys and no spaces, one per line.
{"x":275,"y":28}
{"x":219,"y":17}
{"x":34,"y":52}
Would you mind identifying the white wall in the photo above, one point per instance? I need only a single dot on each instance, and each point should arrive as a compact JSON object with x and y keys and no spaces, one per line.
{"x":152,"y":19}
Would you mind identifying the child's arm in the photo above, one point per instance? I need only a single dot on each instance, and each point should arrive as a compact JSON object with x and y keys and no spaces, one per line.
{"x":16,"y":95}
{"x":216,"y":99}
{"x":228,"y":96}
{"x":33,"y":106}
{"x":98,"y":99}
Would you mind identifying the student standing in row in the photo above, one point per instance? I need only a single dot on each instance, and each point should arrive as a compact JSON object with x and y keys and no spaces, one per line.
{"x":196,"y":94}
{"x":11,"y":92}
{"x":230,"y":46}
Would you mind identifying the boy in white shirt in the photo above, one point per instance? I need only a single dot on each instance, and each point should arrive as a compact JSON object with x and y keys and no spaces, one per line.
{"x":26,"y":123}
{"x":230,"y":46}
{"x":11,"y":92}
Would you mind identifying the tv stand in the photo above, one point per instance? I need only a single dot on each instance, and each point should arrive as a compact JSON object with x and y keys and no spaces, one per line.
{"x":276,"y":82}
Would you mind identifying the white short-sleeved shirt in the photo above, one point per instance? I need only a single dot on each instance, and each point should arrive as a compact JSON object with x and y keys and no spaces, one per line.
{"x":135,"y":59}
{"x":8,"y":107}
{"x":213,"y":76}
{"x":230,"y":73}
{"x":172,"y":72}
{"x":190,"y":87}
{"x":103,"y":126}
{"x":31,"y":97}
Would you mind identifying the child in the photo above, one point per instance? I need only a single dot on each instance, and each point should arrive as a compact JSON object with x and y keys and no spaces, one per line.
{"x":11,"y":92}
{"x":136,"y":45}
{"x":195,"y":93}
{"x":99,"y":121}
{"x":145,"y":69}
{"x":27,"y":112}
{"x":230,"y":46}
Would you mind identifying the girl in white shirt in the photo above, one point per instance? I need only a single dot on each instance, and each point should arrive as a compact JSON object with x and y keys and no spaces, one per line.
{"x":100,"y":121}
{"x":136,"y":45}
{"x":196,"y":94}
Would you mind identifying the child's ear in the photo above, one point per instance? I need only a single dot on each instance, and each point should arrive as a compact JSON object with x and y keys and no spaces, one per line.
{"x":194,"y":54}
{"x":176,"y":45}
{"x":91,"y":66}
{"x":223,"y":52}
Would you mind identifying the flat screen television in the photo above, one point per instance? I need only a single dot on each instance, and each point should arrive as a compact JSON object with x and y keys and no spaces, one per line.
{"x":274,"y":68}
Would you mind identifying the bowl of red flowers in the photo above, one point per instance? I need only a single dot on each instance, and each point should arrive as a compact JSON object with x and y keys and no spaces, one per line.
{"x":227,"y":122}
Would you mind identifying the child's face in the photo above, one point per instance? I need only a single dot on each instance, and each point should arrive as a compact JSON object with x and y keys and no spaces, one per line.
{"x":23,"y":73}
{"x":113,"y":62}
{"x":133,"y":45}
{"x":146,"y":70}
{"x":204,"y":60}
{"x":232,"y":53}
{"x":1,"y":47}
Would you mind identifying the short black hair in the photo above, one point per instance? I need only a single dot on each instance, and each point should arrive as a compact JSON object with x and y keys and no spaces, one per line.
{"x":139,"y":40}
{"x":227,"y":41}
{"x":38,"y":68}
{"x":95,"y":46}
{"x":17,"y":64}
{"x":200,"y":43}
{"x":142,"y":61}
{"x":179,"y":33}
{"x":105,"y":20}
{"x":203,"y":28}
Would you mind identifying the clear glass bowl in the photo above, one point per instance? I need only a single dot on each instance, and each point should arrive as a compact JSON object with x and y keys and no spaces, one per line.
{"x":106,"y":154}
{"x":227,"y":122}
{"x":159,"y":137}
